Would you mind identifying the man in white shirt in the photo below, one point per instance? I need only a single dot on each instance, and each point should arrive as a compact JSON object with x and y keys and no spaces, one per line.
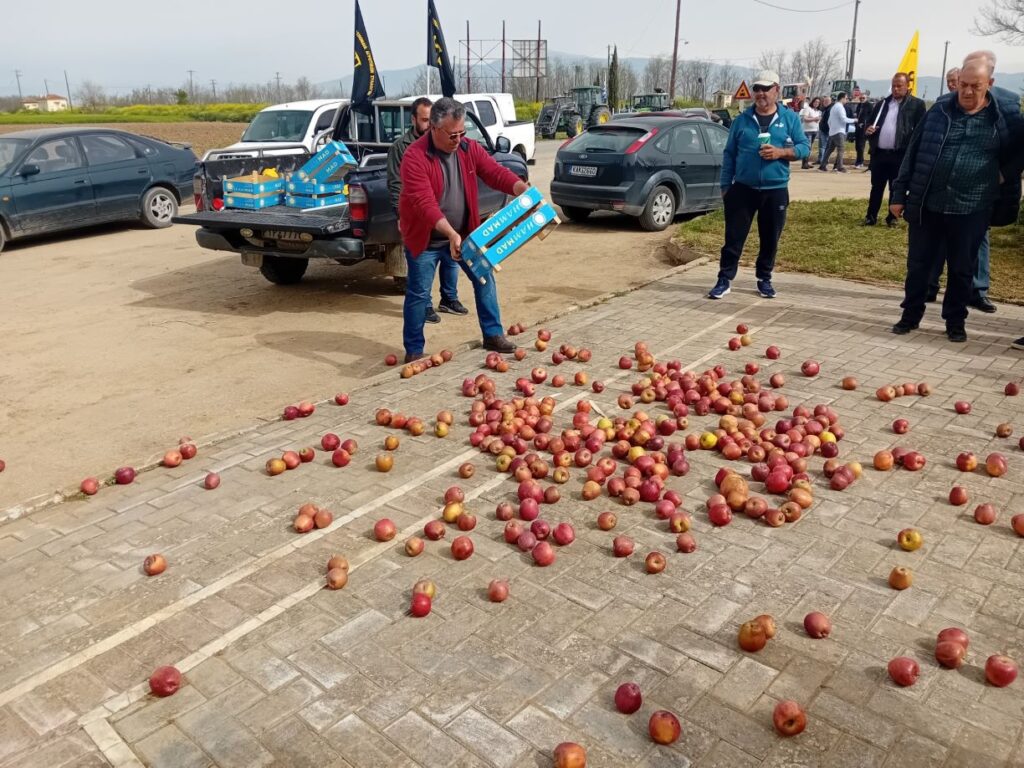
{"x":837,"y":122}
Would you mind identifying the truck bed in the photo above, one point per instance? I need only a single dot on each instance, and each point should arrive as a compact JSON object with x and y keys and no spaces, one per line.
{"x":321,"y":223}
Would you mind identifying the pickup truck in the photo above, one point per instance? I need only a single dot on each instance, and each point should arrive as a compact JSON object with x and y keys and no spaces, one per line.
{"x":285,"y":125}
{"x":280,"y":241}
{"x":497,"y":113}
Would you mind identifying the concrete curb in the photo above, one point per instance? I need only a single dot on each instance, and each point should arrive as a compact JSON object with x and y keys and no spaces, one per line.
{"x":70,"y":493}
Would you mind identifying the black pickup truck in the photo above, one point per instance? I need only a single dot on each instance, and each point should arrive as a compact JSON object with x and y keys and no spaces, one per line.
{"x":279,"y":240}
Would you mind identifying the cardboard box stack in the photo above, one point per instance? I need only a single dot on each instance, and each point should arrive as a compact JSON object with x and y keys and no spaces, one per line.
{"x":253,"y":191}
{"x":508,"y":230}
{"x":320,"y":183}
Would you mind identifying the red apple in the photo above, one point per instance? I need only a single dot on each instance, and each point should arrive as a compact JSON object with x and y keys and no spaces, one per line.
{"x":165,"y":681}
{"x":664,"y":727}
{"x":341,"y":458}
{"x":966,"y":461}
{"x":789,"y":718}
{"x":384,"y":530}
{"x":124,"y":475}
{"x":497,"y":591}
{"x":985,"y":514}
{"x":817,"y":625}
{"x":950,"y":654}
{"x":414,"y":546}
{"x":773,"y":353}
{"x":563,"y":534}
{"x":90,"y":486}
{"x":154,"y":565}
{"x":955,"y":635}
{"x":904,"y":670}
{"x":607,"y":520}
{"x":172,"y":459}
{"x":291,"y":459}
{"x":655,"y":562}
{"x":962,"y":406}
{"x":1017,"y":523}
{"x":628,"y":698}
{"x":810,"y":368}
{"x":187,"y":450}
{"x":995,"y":465}
{"x":901,"y":426}
{"x":330,"y":442}
{"x":462,"y":547}
{"x":622,"y":546}
{"x":341,"y":398}
{"x":543,"y":554}
{"x":685,"y":543}
{"x":752,"y":637}
{"x":1000,"y":670}
{"x":958,"y":496}
{"x":569,"y":754}
{"x":421,"y":604}
{"x":434,"y":530}
{"x":1012,"y":389}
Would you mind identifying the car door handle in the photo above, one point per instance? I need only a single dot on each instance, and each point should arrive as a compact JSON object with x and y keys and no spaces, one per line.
{"x":143,"y":172}
{"x":79,"y":181}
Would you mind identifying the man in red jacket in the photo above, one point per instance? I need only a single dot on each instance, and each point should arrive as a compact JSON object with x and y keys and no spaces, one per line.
{"x":438,"y":206}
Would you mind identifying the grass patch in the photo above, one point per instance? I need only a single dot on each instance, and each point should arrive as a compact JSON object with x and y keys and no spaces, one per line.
{"x":825,"y":238}
{"x":140,"y":113}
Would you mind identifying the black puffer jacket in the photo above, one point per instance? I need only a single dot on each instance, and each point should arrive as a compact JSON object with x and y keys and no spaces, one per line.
{"x":911,"y":186}
{"x":911,"y":112}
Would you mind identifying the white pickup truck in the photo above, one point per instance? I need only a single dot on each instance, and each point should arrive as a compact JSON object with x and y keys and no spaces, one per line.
{"x":497,"y":113}
{"x":281,"y":128}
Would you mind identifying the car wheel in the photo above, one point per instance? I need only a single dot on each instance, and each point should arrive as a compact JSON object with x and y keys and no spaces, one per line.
{"x":158,"y":207}
{"x":659,"y":211}
{"x":283,"y":270}
{"x":576,"y":214}
{"x":3,"y":238}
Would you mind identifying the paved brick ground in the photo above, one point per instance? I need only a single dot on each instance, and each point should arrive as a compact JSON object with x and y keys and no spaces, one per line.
{"x":281,"y":672}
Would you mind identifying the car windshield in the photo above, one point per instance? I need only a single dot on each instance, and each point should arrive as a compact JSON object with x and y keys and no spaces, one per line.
{"x":278,"y":125}
{"x":606,"y":139}
{"x":10,"y":149}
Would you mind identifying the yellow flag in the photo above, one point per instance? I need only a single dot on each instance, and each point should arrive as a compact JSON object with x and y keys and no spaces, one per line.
{"x":909,"y":64}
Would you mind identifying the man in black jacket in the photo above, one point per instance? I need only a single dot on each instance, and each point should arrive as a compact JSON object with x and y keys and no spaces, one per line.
{"x":448,"y":270}
{"x":889,"y":129}
{"x":960,"y":175}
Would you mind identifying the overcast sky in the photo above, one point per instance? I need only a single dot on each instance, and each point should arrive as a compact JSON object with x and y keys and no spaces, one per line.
{"x":122,"y":44}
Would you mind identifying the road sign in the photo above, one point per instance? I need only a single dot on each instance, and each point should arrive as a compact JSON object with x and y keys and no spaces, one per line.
{"x":742,"y":93}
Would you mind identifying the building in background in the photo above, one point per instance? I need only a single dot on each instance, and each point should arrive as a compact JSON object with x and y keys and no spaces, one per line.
{"x":49,"y":103}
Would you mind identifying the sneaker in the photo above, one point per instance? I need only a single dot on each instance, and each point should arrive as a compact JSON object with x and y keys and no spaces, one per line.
{"x":454,"y":307}
{"x":840,"y":170}
{"x":764,"y":287}
{"x":904,"y":327}
{"x":956,"y":334}
{"x":869,"y":222}
{"x":432,"y":316}
{"x":499,"y":344}
{"x":823,"y":169}
{"x":858,"y":166}
{"x":1018,"y":344}
{"x":721,"y":289}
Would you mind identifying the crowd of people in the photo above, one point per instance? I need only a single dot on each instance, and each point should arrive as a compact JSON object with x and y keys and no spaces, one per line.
{"x":952,"y":171}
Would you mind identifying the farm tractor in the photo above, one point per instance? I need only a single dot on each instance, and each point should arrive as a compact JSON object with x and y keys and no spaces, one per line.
{"x":581,"y":109}
{"x":651,"y":102}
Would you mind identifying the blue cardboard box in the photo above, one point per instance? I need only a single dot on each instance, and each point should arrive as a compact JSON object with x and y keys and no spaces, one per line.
{"x":253,"y":202}
{"x":297,"y":187}
{"x":323,"y":201}
{"x":253,"y":184}
{"x":329,"y":164}
{"x":508,"y":230}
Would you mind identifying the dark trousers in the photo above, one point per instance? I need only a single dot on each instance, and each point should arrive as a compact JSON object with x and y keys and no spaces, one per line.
{"x":885,"y":167}
{"x":741,"y":205}
{"x":938,"y":235}
{"x":860,"y":138}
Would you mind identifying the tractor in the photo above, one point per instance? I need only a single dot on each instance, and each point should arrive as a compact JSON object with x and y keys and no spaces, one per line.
{"x":651,"y":102}
{"x":582,"y":109}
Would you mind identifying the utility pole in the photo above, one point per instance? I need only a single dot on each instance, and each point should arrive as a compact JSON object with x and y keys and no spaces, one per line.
{"x":213,"y":85}
{"x":675,"y":56}
{"x":46,"y":85}
{"x":942,"y":75}
{"x":853,"y":42}
{"x":68,"y":86}
{"x":191,"y":90}
{"x":469,"y":84}
{"x":537,"y":98}
{"x":502,"y":55}
{"x":17,"y":76}
{"x":277,"y":77}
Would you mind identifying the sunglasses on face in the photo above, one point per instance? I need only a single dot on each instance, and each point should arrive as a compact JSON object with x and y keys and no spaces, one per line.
{"x":455,"y":136}
{"x":762,"y":88}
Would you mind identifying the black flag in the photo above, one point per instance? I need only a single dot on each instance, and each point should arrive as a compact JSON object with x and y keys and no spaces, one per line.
{"x":437,"y":51}
{"x":366,"y":85}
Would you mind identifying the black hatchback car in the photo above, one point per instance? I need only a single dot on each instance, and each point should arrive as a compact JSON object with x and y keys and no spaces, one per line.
{"x":651,"y":167}
{"x":53,"y":179}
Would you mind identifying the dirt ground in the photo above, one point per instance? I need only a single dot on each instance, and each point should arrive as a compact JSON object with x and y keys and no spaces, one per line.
{"x":119,"y":340}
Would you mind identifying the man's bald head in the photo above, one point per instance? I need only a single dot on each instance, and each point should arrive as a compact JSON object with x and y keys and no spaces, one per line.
{"x":988,"y":57}
{"x":951,"y":79}
{"x":974,"y":83}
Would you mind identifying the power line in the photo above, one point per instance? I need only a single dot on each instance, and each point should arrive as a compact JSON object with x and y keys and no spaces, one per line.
{"x":805,"y":10}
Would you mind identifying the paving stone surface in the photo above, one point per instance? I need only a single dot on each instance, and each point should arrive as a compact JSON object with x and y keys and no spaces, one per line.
{"x":280,"y":671}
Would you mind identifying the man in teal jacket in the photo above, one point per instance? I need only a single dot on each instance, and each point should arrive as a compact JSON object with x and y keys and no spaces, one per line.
{"x":755,"y":180}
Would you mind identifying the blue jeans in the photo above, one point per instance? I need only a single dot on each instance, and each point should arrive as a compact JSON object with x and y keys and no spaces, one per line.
{"x":448,"y":269}
{"x":417,"y":298}
{"x":822,"y":146}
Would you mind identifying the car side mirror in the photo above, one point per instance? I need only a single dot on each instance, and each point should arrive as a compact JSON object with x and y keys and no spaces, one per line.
{"x":503,"y":144}
{"x":29,"y":169}
{"x":321,"y":140}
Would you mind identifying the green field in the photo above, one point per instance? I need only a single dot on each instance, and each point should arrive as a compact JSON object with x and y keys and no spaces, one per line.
{"x":140,"y":113}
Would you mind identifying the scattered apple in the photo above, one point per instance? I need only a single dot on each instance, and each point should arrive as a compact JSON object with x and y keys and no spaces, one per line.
{"x":958,"y":496}
{"x":1000,"y":670}
{"x":817,"y":625}
{"x":569,"y":754}
{"x":900,"y":578}
{"x":90,"y":486}
{"x":165,"y":681}
{"x":497,"y":591}
{"x":752,"y":636}
{"x":421,"y":604}
{"x":337,"y":578}
{"x":154,"y":565}
{"x":384,"y":530}
{"x":904,"y":671}
{"x":789,"y":718}
{"x":628,"y":698}
{"x":664,"y":727}
{"x":462,"y":547}
{"x":655,"y":562}
{"x":622,"y":546}
{"x":910,"y":539}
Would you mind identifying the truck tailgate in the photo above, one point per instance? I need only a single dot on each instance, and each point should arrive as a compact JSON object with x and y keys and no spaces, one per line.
{"x":279,"y":217}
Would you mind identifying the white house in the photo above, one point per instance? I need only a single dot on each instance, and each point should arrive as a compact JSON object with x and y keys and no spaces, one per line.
{"x":49,"y":103}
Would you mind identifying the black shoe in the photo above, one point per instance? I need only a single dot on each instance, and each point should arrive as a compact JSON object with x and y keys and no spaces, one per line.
{"x":1018,"y":344}
{"x":891,"y":222}
{"x":904,"y":327}
{"x":413,"y":358}
{"x":454,"y":307}
{"x":982,"y":303}
{"x":499,"y":344}
{"x":869,"y":221}
{"x":956,"y":334}
{"x":931,"y":298}
{"x":432,"y":316}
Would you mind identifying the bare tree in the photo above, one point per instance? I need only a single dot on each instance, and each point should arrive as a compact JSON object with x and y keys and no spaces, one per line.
{"x":726,"y":77}
{"x":629,"y":83}
{"x":9,"y":103}
{"x":656,"y":73}
{"x":90,"y":95}
{"x":1004,"y":19}
{"x":818,"y":64}
{"x":304,"y":89}
{"x":775,"y":59}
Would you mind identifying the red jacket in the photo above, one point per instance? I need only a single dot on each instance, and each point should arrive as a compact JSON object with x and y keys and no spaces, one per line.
{"x":423,"y":185}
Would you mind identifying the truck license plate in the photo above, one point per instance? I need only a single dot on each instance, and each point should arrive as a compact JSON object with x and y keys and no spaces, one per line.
{"x":583,"y":170}
{"x":278,"y":234}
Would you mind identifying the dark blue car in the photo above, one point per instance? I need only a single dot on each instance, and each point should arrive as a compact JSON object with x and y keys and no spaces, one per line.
{"x":54,"y":179}
{"x":651,"y":167}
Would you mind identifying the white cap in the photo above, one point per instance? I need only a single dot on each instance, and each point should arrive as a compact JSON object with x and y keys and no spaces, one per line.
{"x":766,"y":77}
